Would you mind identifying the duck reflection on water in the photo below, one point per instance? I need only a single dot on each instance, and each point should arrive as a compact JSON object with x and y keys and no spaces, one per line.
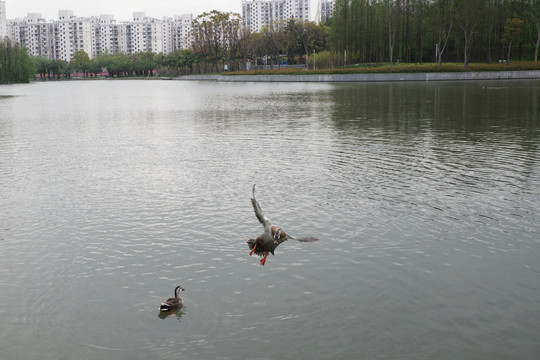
{"x":173,"y":305}
{"x":179,"y":312}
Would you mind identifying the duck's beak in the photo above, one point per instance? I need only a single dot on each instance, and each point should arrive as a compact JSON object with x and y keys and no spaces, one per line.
{"x":275,"y":242}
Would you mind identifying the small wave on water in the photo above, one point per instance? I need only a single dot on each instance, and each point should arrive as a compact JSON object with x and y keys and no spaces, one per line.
{"x":425,"y":219}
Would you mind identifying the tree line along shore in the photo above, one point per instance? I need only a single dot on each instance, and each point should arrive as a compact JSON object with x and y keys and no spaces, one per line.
{"x":364,"y":36}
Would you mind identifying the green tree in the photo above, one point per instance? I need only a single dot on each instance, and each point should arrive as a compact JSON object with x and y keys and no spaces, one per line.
{"x":182,"y":60}
{"x":384,"y":30}
{"x":512,"y":29}
{"x":187,"y":59}
{"x":24,"y":66}
{"x":42,"y":65}
{"x":144,"y":63}
{"x":81,"y":62}
{"x":16,"y":66}
{"x":95,"y":67}
{"x":340,"y":25}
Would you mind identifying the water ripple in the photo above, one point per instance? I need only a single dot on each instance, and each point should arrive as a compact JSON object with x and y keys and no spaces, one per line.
{"x":425,"y":219}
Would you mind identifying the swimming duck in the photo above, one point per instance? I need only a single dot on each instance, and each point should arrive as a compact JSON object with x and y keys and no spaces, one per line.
{"x":173,"y":303}
{"x":271,"y":237}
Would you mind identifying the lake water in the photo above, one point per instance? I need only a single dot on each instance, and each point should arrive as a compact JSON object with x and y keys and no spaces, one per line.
{"x":425,"y":197}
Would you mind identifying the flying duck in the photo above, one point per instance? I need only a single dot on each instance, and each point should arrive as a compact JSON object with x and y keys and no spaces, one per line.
{"x":173,"y":303}
{"x":271,"y":237}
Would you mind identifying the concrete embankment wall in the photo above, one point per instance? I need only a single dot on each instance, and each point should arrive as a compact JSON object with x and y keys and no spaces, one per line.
{"x":449,"y":76}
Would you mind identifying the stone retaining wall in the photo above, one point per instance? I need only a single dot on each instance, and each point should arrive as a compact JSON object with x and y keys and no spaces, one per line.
{"x":443,"y":76}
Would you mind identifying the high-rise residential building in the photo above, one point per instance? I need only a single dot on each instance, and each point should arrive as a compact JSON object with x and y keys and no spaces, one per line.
{"x":297,"y":9}
{"x":74,"y":34}
{"x":146,"y":34}
{"x":183,"y":38}
{"x":107,"y":36}
{"x":3,"y":20}
{"x":326,"y":10}
{"x":99,"y":35}
{"x":260,"y":13}
{"x":34,"y":33}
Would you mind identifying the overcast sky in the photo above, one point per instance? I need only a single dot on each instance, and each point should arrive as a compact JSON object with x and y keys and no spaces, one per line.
{"x":121,"y":9}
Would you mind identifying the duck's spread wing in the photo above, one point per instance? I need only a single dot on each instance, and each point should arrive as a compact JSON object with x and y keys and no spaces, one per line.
{"x":306,"y":239}
{"x":259,"y":214}
{"x":258,"y":211}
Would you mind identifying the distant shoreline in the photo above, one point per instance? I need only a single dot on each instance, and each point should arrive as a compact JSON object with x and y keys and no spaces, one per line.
{"x":378,"y":77}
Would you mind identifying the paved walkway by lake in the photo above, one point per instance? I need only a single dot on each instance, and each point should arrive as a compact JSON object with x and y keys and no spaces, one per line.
{"x":443,"y":76}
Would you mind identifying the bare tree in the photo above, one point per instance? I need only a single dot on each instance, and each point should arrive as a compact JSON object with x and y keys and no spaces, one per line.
{"x":209,"y":30}
{"x":236,"y":40}
{"x":391,"y":11}
{"x":468,"y":17}
{"x":273,"y":41}
{"x":443,"y":23}
{"x":532,"y":10}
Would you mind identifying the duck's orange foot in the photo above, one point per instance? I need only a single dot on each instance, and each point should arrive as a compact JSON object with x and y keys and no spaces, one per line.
{"x":252,"y":250}
{"x":263,"y":260}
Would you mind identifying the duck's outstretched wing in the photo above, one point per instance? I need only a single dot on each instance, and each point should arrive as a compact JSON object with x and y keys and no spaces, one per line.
{"x":304,"y":239}
{"x":258,"y":211}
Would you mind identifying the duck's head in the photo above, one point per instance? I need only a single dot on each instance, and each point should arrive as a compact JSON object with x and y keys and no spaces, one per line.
{"x":177,"y":289}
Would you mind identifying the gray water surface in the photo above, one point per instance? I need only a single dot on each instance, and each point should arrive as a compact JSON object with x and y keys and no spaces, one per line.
{"x":425,"y":197}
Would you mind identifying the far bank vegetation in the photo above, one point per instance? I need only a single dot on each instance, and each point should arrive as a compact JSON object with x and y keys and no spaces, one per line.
{"x":362,"y":36}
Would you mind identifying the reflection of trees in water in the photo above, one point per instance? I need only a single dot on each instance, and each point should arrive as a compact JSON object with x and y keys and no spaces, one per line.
{"x":466,"y":108}
{"x":435,"y":130}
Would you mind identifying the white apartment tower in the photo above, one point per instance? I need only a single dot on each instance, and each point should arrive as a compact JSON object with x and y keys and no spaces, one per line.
{"x":107,"y":35}
{"x":140,"y":33}
{"x":74,"y":34}
{"x":183,"y":38}
{"x":3,"y":20}
{"x":260,"y":13}
{"x":326,"y":10}
{"x":34,"y":33}
{"x":99,"y":35}
{"x":297,"y":9}
{"x":149,"y":34}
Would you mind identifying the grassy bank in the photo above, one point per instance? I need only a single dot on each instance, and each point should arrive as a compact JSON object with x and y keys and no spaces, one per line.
{"x":397,"y":68}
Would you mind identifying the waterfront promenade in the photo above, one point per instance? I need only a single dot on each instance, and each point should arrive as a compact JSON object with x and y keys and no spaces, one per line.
{"x":442,"y":76}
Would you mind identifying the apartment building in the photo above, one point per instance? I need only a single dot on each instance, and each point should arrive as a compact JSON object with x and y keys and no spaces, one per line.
{"x":3,"y":19}
{"x":108,"y":36}
{"x":297,"y":9}
{"x":260,"y":13}
{"x":73,"y":34}
{"x":96,"y":36}
{"x":183,"y":38}
{"x":326,"y":10}
{"x":35,"y":33}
